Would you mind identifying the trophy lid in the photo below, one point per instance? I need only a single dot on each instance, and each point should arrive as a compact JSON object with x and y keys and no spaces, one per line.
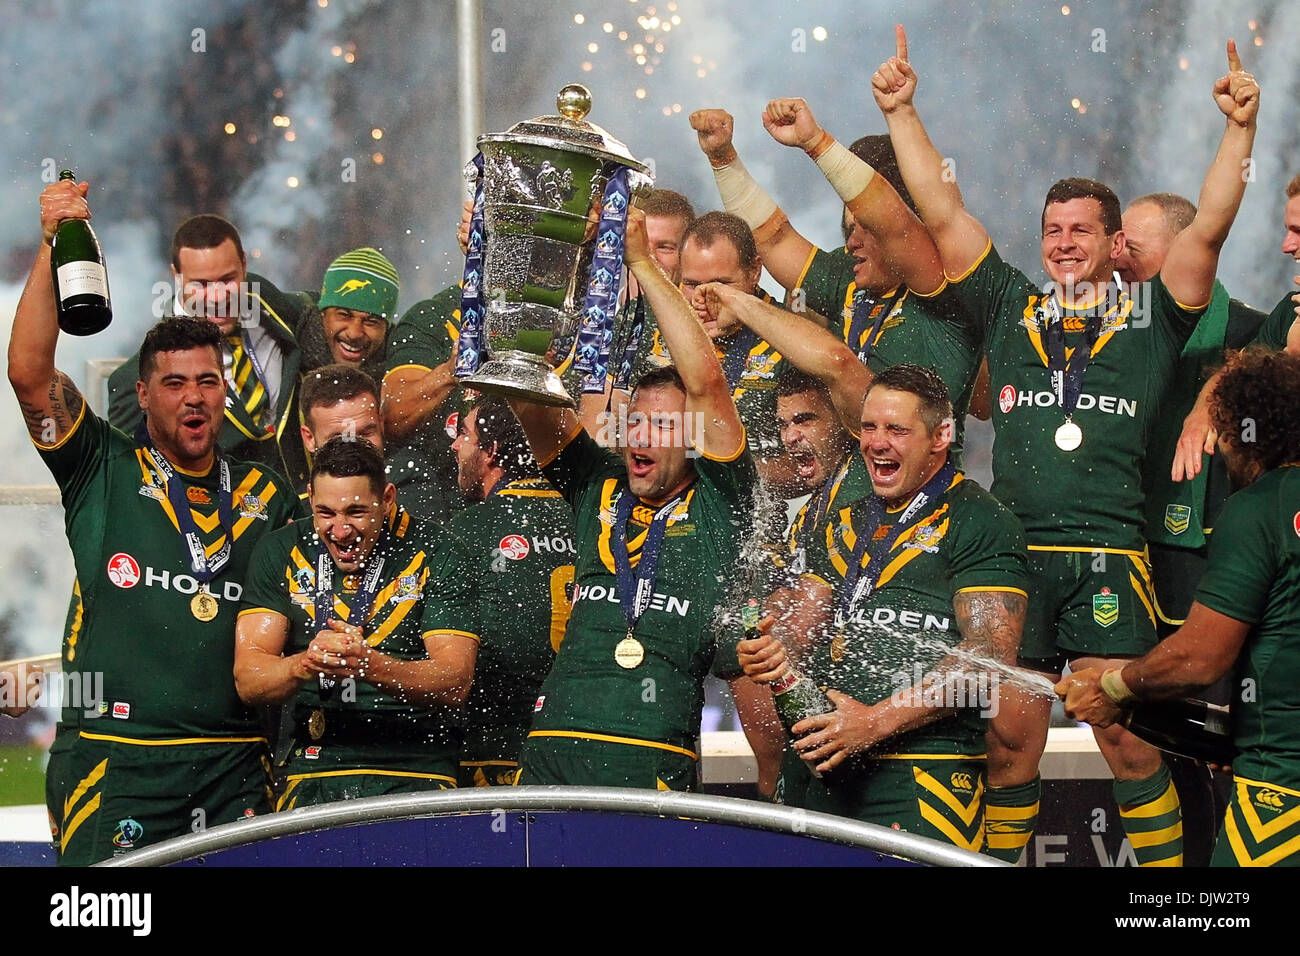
{"x":569,"y":130}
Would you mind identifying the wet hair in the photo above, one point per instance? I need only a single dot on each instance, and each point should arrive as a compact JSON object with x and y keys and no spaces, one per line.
{"x":794,"y":381}
{"x":715,"y":225}
{"x":1178,"y":212}
{"x":925,"y":384}
{"x":1253,"y":406}
{"x":497,"y":426}
{"x":330,"y":384}
{"x":204,"y":231}
{"x":878,"y":152}
{"x":666,"y":376}
{"x":178,"y":333}
{"x":340,"y":458}
{"x":1293,"y":188}
{"x":1066,"y":189}
{"x":665,"y":202}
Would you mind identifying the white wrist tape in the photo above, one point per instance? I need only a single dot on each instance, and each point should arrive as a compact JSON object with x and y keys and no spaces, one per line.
{"x":844,"y":171}
{"x":742,"y":196}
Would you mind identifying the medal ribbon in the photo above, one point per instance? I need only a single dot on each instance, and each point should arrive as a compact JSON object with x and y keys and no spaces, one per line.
{"x":469,"y":346}
{"x":824,"y":496}
{"x":596,"y":330}
{"x":858,"y":585}
{"x":863,"y":303}
{"x":203,"y":567}
{"x":244,"y":360}
{"x":636,"y":589}
{"x":635,"y":329}
{"x":359,"y":612}
{"x":733,"y":363}
{"x":1067,"y":374}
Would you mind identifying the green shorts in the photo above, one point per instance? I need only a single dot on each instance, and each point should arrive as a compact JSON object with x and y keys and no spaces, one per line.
{"x":585,"y":762}
{"x":932,"y":797}
{"x":487,"y":773}
{"x":1261,"y":827}
{"x":108,"y":795}
{"x":1087,"y":604}
{"x":1175,"y":573}
{"x":326,"y":772}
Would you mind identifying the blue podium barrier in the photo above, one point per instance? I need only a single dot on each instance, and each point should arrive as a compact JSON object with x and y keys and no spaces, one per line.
{"x":551,"y":826}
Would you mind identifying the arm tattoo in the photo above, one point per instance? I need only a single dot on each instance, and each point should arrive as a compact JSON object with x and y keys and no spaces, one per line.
{"x":992,"y":621}
{"x":50,"y":420}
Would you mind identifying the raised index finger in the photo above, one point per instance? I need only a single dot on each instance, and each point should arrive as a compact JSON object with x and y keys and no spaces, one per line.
{"x":1234,"y":61}
{"x":900,"y":38}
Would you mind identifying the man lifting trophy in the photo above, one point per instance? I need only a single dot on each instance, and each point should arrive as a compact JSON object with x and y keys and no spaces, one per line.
{"x":545,"y":255}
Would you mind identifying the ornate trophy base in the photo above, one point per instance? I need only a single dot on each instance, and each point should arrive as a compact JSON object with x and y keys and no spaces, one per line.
{"x":520,"y":375}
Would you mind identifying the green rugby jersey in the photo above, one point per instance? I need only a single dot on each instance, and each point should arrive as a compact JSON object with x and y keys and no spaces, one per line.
{"x":849,"y":482}
{"x":934,"y":331}
{"x":282,"y":579}
{"x":502,"y":573}
{"x":755,"y":390}
{"x":1253,"y":576}
{"x":1091,"y":497}
{"x":166,"y":675}
{"x":423,"y":467}
{"x":589,"y":695}
{"x":965,"y":541}
{"x":1275,"y":328}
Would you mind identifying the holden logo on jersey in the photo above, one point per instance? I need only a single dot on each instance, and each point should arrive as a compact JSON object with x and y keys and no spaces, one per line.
{"x":1105,"y":607}
{"x":452,"y":425}
{"x":540,"y":701}
{"x":1295,"y":522}
{"x":514,"y":547}
{"x":1006,"y":398}
{"x":123,"y":570}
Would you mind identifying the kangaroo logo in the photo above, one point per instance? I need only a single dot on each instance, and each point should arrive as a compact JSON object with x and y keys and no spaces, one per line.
{"x":352,"y":285}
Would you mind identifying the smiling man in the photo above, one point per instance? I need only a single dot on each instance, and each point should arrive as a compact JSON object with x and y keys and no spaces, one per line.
{"x":658,"y":534}
{"x":334,"y":619}
{"x":358,"y":300}
{"x":1079,"y":370}
{"x":910,"y":582}
{"x":161,"y":527}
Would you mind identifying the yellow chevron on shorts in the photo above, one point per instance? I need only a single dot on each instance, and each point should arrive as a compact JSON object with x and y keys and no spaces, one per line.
{"x":70,"y":826}
{"x":937,"y":820}
{"x":87,"y":782}
{"x":1259,"y":829}
{"x":1243,"y":855}
{"x":966,"y":814}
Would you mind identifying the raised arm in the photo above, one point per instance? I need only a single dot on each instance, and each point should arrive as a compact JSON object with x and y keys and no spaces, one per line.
{"x":960,"y":237}
{"x":871,"y":200}
{"x":808,"y":347}
{"x":707,"y":393}
{"x":1193,"y":259}
{"x":49,"y":400}
{"x":411,"y":394}
{"x":783,"y":250}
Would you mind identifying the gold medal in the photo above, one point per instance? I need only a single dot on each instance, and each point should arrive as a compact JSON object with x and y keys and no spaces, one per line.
{"x":204,"y":606}
{"x":838,"y":646}
{"x":316,"y":724}
{"x":629,"y":652}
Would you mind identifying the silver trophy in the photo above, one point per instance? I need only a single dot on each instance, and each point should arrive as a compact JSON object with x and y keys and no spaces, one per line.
{"x":543,"y":184}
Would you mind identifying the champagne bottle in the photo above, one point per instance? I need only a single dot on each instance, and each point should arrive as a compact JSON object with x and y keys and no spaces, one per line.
{"x":796,"y":696}
{"x":1191,"y":728}
{"x":80,"y":280}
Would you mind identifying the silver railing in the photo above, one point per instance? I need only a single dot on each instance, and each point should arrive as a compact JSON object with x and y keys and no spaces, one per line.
{"x":693,"y":806}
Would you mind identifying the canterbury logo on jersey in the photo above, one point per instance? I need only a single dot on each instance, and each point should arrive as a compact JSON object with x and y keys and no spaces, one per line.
{"x":961,"y":781}
{"x":1270,"y":799}
{"x":660,"y":602}
{"x":888,"y":617}
{"x":1010,"y":397}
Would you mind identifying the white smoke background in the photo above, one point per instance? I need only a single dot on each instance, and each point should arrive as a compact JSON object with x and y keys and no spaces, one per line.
{"x":117,"y":90}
